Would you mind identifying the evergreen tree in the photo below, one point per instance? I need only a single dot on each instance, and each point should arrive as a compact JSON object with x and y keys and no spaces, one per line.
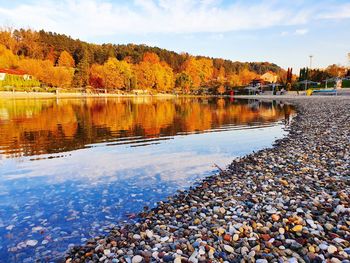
{"x":81,"y":74}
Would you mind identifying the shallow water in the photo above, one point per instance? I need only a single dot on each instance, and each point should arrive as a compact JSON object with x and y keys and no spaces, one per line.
{"x":69,"y":169}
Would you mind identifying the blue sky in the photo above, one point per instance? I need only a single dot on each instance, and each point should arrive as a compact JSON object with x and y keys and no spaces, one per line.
{"x":283,"y":32}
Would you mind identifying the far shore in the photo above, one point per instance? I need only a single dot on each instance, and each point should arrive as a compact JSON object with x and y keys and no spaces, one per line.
{"x":46,"y":95}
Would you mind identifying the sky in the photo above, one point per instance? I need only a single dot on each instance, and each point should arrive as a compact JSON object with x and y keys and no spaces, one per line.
{"x":285,"y":32}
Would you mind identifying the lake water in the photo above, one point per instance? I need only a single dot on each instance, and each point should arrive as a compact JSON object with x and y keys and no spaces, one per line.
{"x":71,"y":168}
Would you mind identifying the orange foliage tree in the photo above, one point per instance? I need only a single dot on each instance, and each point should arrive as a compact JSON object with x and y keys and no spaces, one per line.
{"x":153,"y":74}
{"x":112,"y":74}
{"x":45,"y":71}
{"x":66,"y":60}
{"x":200,"y":70}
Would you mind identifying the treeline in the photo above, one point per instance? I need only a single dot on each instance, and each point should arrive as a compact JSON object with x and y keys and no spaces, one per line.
{"x":58,"y":60}
{"x":319,"y":75}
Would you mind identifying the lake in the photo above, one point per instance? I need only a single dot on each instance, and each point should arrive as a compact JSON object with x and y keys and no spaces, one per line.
{"x":72,"y":168}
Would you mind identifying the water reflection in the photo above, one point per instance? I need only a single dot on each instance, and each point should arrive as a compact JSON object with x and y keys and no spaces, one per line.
{"x":70,"y":168}
{"x":32,"y":127}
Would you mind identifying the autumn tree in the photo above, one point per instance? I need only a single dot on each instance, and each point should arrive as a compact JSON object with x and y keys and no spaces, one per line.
{"x":66,"y":60}
{"x":246,"y":76}
{"x":336,"y":70}
{"x":41,"y":69}
{"x":153,"y":74}
{"x":221,"y":89}
{"x":200,"y":70}
{"x":7,"y":58}
{"x":112,"y":74}
{"x":220,"y":75}
{"x":61,"y":76}
{"x":96,"y":76}
{"x":234,"y":80}
{"x":46,"y":72}
{"x":6,"y":39}
{"x":117,"y":74}
{"x":183,"y":81}
{"x":164,"y":77}
{"x":28,"y":43}
{"x":81,"y":74}
{"x":151,"y":58}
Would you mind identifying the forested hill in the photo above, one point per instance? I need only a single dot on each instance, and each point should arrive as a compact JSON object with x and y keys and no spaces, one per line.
{"x":91,"y":63}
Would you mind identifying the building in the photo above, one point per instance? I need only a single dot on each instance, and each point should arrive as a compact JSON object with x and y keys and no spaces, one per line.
{"x":20,"y":73}
{"x":257,"y":82}
{"x":269,"y":77}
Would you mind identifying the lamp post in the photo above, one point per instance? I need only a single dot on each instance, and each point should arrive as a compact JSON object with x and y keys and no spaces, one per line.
{"x":311,"y":56}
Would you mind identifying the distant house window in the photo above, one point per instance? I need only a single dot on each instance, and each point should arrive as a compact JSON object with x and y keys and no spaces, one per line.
{"x":27,"y":77}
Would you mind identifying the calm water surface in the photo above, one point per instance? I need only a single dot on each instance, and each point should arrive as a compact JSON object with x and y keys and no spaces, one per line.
{"x":70,"y":169}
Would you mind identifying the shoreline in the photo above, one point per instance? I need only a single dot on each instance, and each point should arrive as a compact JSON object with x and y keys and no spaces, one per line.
{"x":288,"y":203}
{"x":47,"y":95}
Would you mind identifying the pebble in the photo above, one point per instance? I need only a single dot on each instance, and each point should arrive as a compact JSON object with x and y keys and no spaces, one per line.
{"x":32,"y":243}
{"x":323,"y":246}
{"x":137,"y":259}
{"x":235,"y":237}
{"x":136,"y":237}
{"x":229,"y":249}
{"x":332,"y":249}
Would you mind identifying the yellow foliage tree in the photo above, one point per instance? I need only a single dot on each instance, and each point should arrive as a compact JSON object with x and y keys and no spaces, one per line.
{"x":112,"y":74}
{"x":156,"y":76}
{"x":6,"y":39}
{"x":7,"y":58}
{"x":234,"y":80}
{"x":200,"y":70}
{"x":116,"y":74}
{"x":61,"y":76}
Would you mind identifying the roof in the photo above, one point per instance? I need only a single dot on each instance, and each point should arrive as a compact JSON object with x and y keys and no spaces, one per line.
{"x":307,"y":82}
{"x":13,"y":71}
{"x":251,"y":88}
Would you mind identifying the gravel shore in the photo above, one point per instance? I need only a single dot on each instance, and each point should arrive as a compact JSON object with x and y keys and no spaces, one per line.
{"x":289,"y":203}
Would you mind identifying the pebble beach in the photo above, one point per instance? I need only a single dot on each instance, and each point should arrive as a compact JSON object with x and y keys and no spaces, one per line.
{"x":288,"y":203}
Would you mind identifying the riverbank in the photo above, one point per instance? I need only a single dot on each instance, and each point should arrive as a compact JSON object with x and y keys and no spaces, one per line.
{"x":47,"y":95}
{"x":289,"y":203}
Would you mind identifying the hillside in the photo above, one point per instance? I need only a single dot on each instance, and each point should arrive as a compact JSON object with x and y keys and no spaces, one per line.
{"x":57,"y":60}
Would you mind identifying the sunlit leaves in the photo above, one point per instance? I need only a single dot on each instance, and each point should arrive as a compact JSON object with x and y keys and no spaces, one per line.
{"x":66,"y":60}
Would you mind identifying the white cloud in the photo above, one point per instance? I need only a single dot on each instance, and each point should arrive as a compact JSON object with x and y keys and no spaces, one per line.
{"x":93,"y":18}
{"x":297,"y":32}
{"x":302,"y":31}
{"x":338,"y":12}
